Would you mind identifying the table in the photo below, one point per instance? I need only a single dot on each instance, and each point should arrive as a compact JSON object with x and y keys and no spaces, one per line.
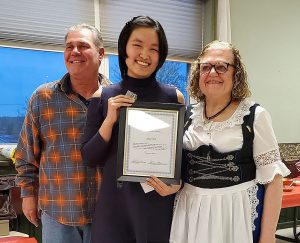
{"x":14,"y":233}
{"x":18,"y":239}
{"x":15,"y":237}
{"x":292,"y":200}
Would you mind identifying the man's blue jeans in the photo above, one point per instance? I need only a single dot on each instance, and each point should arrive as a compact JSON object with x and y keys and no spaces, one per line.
{"x":55,"y":232}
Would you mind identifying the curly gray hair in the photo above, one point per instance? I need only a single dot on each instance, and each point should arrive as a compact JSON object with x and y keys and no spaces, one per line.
{"x":240,"y":88}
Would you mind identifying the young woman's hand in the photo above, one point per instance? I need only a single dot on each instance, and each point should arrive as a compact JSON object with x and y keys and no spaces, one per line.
{"x":114,"y":104}
{"x":161,"y":188}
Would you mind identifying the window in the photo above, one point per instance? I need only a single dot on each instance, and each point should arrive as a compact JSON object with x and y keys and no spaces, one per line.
{"x":25,"y":69}
{"x":25,"y":23}
{"x":174,"y":73}
{"x":21,"y":72}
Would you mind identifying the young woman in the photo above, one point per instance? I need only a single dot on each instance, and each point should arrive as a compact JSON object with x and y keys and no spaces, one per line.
{"x":128,"y":214}
{"x":232,"y":167}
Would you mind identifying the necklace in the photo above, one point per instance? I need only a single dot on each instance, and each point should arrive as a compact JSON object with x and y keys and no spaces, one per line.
{"x":218,"y":113}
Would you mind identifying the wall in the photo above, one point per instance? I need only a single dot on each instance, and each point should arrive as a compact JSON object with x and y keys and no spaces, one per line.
{"x":267,"y":34}
{"x":210,"y":16}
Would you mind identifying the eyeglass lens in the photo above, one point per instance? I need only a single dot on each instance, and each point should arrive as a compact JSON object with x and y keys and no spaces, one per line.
{"x":219,"y":67}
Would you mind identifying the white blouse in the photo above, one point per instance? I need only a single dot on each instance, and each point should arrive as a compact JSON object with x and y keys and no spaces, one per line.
{"x":227,"y":136}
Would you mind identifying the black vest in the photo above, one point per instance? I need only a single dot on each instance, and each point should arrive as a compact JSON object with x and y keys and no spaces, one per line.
{"x":207,"y":168}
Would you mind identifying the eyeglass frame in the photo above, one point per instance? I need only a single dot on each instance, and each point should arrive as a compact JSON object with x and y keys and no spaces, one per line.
{"x":213,"y":66}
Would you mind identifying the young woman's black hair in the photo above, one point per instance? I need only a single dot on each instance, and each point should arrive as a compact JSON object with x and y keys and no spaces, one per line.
{"x":130,"y":26}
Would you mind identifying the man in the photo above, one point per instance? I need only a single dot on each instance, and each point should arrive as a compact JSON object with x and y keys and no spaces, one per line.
{"x":51,"y":173}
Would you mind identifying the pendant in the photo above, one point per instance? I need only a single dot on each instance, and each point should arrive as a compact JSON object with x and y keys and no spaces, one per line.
{"x":205,"y":121}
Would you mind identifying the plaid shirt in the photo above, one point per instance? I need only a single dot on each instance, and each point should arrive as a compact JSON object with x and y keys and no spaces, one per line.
{"x":48,"y":158}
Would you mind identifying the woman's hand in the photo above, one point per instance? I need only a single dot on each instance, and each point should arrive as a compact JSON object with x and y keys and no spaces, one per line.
{"x":114,"y":104}
{"x":161,"y":188}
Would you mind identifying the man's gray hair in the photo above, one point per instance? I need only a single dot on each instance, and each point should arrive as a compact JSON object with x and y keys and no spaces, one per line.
{"x":98,"y":41}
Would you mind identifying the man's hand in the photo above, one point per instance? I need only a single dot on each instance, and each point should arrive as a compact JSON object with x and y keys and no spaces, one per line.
{"x":161,"y":188}
{"x":30,"y":209}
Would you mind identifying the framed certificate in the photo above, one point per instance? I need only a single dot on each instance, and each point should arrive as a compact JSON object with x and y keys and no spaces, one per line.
{"x":150,"y":142}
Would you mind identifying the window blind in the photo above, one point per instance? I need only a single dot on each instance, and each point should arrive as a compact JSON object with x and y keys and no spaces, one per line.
{"x":182,"y":21}
{"x":42,"y":21}
{"x":45,"y":22}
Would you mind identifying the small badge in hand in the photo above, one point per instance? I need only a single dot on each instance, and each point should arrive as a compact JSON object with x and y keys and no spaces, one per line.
{"x":131,"y":94}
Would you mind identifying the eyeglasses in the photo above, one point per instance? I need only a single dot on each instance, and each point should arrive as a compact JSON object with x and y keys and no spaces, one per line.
{"x":220,"y":67}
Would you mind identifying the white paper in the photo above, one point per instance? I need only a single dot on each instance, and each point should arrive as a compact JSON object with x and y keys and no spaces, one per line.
{"x":146,"y":187}
{"x":151,"y":140}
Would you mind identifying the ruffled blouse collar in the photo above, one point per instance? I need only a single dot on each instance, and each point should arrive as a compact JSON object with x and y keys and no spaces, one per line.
{"x":237,"y":117}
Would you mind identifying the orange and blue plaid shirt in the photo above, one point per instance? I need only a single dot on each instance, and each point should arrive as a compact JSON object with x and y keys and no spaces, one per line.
{"x":48,"y":158}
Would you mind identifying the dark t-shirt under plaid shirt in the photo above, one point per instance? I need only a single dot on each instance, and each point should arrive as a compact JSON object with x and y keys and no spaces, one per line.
{"x":48,"y":158}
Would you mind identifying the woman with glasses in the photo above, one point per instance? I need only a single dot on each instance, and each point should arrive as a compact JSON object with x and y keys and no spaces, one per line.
{"x":232,"y":170}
